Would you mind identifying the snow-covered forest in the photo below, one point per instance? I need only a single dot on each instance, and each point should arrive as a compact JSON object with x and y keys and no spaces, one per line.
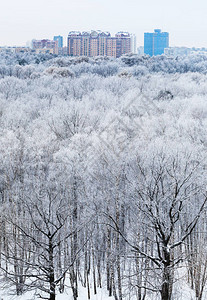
{"x":103,"y":176}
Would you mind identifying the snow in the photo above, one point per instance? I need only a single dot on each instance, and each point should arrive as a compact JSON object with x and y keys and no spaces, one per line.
{"x":81,"y":135}
{"x":101,"y":295}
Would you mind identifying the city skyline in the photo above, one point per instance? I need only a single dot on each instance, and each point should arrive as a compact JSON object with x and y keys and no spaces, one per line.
{"x":21,"y":21}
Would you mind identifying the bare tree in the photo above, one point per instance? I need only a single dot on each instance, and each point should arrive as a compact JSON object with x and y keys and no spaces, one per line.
{"x":164,"y":188}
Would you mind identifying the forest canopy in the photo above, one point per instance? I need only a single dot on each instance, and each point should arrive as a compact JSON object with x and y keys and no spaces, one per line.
{"x":103,"y":175}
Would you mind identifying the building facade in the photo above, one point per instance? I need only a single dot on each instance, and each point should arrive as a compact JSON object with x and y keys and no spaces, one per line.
{"x":45,"y":46}
{"x":59,"y":39}
{"x":156,"y":42}
{"x":97,"y":43}
{"x":133,"y":43}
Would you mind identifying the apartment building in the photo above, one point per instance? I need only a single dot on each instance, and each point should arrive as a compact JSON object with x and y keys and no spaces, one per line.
{"x":155,"y":42}
{"x":97,"y":43}
{"x":59,"y":39}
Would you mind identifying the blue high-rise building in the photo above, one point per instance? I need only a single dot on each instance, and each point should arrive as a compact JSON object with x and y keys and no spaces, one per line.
{"x":156,"y":42}
{"x":59,"y":38}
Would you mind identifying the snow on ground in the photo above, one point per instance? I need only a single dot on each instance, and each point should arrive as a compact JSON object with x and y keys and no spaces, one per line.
{"x":181,"y":291}
{"x":101,"y":295}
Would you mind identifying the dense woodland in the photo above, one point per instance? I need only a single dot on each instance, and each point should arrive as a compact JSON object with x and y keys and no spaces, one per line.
{"x":103,"y":175}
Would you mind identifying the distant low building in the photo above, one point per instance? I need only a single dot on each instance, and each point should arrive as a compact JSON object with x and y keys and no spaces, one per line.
{"x":140,"y":50}
{"x":63,"y":51}
{"x":44,"y":51}
{"x":97,"y":43}
{"x":15,"y":49}
{"x":183,"y":51}
{"x":22,"y":49}
{"x":45,"y":46}
{"x":156,"y":42}
{"x":7,"y":49}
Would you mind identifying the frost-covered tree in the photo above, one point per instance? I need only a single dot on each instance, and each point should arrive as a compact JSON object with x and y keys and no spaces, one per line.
{"x":102,"y":174}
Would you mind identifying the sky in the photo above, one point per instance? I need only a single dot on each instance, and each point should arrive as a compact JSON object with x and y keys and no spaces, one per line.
{"x":24,"y":20}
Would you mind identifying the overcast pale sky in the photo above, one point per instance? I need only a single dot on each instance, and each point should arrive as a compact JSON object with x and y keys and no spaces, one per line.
{"x":23,"y":20}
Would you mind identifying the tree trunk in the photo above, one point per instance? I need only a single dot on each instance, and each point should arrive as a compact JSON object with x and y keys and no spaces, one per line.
{"x":94,"y":273}
{"x":51,"y":270}
{"x":166,"y":290}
